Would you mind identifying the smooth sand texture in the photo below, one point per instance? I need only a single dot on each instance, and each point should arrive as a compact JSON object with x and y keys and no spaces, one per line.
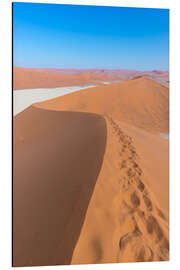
{"x":141,"y":102}
{"x":57,"y":159}
{"x":124,"y":217}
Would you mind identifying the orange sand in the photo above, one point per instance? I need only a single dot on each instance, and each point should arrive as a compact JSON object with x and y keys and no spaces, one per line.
{"x":142,"y":102}
{"x":28,"y":78}
{"x":91,"y":184}
{"x":52,"y":189}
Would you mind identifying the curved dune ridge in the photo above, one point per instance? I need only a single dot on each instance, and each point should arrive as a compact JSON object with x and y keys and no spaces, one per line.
{"x":142,"y":102}
{"x":89,"y":168}
{"x":126,"y":221}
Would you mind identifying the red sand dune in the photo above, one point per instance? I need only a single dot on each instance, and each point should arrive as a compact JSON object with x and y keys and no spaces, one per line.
{"x":127,"y":218}
{"x":28,"y":78}
{"x":116,"y":203}
{"x":56,"y":165}
{"x":25,"y":78}
{"x":141,"y":102}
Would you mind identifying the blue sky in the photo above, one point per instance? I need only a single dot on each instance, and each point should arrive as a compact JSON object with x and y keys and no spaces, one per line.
{"x":67,"y":36}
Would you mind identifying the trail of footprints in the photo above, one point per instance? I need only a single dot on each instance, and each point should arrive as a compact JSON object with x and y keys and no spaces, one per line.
{"x":142,"y":237}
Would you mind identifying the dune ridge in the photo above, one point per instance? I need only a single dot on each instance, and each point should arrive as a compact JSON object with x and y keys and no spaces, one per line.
{"x":142,"y":102}
{"x":126,"y":216}
{"x":130,"y":225}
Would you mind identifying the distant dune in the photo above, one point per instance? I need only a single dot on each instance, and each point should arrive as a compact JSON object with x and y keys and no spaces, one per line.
{"x":157,"y":75}
{"x":46,"y":78}
{"x":142,"y":102}
{"x":91,"y":177}
{"x":29,"y":78}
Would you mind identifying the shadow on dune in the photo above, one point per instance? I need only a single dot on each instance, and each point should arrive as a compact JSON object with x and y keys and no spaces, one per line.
{"x":57,"y":159}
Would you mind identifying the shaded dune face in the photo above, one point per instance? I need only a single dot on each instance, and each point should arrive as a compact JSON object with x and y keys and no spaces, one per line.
{"x":127,"y":217}
{"x":57,"y":159}
{"x":89,"y":168}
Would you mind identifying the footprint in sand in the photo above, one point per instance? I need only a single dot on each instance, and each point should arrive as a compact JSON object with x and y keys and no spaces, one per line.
{"x":147,"y":202}
{"x":146,"y":240}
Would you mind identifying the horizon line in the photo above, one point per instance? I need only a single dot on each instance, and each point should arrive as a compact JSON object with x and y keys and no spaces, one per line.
{"x":92,"y":68}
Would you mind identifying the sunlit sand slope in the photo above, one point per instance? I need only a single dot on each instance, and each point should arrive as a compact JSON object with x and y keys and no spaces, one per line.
{"x":127,"y":218}
{"x":91,"y":177}
{"x":141,"y":102}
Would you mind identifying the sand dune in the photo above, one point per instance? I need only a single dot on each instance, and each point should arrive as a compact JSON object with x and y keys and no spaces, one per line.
{"x":57,"y":159}
{"x":25,"y":78}
{"x":140,"y":102}
{"x":94,"y":160}
{"x":157,"y":75}
{"x":126,"y":219}
{"x":30,"y":78}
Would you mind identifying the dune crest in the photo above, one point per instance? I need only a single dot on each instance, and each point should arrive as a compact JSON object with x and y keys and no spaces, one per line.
{"x":99,"y":157}
{"x":130,"y":225}
{"x":142,"y":102}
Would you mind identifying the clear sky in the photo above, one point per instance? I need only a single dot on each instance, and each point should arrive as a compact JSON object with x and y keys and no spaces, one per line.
{"x":67,"y":36}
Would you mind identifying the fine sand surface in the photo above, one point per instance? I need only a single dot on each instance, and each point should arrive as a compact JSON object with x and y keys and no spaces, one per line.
{"x":56,"y":166}
{"x":140,"y":102}
{"x":91,"y":177}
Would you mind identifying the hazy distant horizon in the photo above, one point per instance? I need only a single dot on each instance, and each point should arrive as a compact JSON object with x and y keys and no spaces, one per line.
{"x":90,"y":68}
